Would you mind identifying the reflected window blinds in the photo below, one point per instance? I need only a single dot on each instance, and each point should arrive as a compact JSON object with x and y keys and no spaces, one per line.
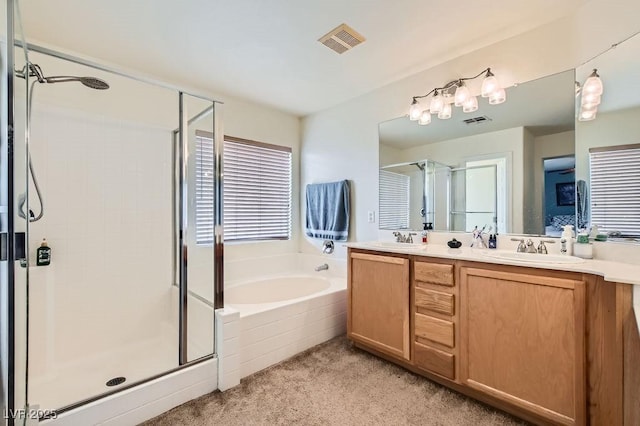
{"x":615,"y":188}
{"x":394,"y":200}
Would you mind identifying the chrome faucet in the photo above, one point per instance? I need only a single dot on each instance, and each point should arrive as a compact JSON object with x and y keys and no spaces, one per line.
{"x":542,"y":249}
{"x":521,"y":247}
{"x":409,"y":238}
{"x":399,"y":237}
{"x":322,"y":267}
{"x":328,"y":247}
{"x":531,"y":248}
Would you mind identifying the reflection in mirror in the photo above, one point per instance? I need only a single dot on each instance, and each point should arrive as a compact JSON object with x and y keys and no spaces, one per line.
{"x":513,"y":140}
{"x":608,"y":147}
{"x":408,"y":196}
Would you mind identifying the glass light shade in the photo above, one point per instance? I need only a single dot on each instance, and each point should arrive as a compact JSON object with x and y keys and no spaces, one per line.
{"x":425,"y":118}
{"x":498,"y":97}
{"x":489,"y":86}
{"x":446,"y":112}
{"x":462,"y":95}
{"x":587,"y":114}
{"x":470,"y":105}
{"x":593,"y":85}
{"x":437,"y":103}
{"x":590,"y":99}
{"x":414,"y":111}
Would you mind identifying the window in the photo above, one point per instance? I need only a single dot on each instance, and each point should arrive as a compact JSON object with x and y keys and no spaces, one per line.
{"x":615,"y":189}
{"x":205,"y":191}
{"x":257,"y":191}
{"x":394,"y":200}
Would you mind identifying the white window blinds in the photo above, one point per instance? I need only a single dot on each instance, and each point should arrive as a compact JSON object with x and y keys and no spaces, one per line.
{"x":394,"y":200}
{"x":615,"y":189}
{"x":257,"y":191}
{"x":205,"y":175}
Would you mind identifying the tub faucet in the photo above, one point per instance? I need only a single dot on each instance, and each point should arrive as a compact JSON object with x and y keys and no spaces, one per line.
{"x":322,"y":267}
{"x":328,"y":247}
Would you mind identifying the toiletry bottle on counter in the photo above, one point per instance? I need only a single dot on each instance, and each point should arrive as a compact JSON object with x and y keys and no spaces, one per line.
{"x":493,"y":241}
{"x":43,"y":254}
{"x":566,"y":239}
{"x":428,"y":226}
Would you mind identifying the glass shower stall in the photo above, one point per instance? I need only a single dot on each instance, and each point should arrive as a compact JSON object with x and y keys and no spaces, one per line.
{"x":103,"y":285}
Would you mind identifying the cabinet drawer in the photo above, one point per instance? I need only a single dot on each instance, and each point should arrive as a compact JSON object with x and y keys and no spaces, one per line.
{"x":435,"y":301}
{"x":433,"y":273}
{"x":435,"y":329}
{"x":434,"y":360}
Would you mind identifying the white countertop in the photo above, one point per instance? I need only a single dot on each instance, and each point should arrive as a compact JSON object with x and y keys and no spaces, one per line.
{"x":611,"y":271}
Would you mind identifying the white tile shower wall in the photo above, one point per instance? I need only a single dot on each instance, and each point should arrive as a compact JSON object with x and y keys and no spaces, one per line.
{"x":227,"y":343}
{"x":107,"y":191}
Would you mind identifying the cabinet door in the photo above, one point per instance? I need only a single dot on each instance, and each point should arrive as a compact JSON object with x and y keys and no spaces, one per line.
{"x":523,"y":341}
{"x":379,"y":303}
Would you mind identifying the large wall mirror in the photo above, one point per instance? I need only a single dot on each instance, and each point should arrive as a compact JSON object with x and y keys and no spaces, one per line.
{"x":511,"y":165}
{"x":608,"y":147}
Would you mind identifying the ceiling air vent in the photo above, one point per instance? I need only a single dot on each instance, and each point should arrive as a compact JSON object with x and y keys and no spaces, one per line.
{"x":341,"y":38}
{"x":477,"y":120}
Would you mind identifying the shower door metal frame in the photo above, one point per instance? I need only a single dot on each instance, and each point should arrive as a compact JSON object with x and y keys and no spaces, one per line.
{"x":9,"y":376}
{"x":8,"y":344}
{"x":180,"y":203}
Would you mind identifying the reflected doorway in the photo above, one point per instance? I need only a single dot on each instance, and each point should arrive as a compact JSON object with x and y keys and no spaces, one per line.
{"x":559,"y":193}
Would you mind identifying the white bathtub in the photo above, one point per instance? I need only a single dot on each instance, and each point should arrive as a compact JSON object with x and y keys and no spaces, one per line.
{"x":273,"y":290}
{"x":285,"y":306}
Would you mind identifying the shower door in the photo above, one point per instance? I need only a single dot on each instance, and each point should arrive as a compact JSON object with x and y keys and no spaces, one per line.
{"x":106,"y":310}
{"x":13,"y":279}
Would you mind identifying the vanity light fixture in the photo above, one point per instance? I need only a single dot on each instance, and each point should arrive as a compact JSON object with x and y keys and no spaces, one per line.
{"x":457,"y":93}
{"x":591,"y":92}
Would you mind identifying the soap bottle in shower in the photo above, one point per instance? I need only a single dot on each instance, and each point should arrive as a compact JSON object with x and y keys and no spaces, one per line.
{"x":43,"y":254}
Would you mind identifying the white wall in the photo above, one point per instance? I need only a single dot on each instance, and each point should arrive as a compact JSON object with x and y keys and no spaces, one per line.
{"x":342,"y":142}
{"x":389,"y":155}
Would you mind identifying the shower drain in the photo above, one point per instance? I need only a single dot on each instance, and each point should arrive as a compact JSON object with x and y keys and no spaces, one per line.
{"x":116,"y":381}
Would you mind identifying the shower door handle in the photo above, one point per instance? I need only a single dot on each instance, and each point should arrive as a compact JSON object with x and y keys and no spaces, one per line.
{"x":19,"y":246}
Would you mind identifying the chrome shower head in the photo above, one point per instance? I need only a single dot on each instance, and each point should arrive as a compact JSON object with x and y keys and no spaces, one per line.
{"x":91,"y":82}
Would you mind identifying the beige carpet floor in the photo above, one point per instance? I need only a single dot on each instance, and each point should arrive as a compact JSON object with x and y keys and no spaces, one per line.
{"x":335,"y":384}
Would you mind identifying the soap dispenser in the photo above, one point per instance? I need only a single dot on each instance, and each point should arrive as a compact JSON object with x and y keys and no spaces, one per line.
{"x":43,"y":254}
{"x":566,"y":239}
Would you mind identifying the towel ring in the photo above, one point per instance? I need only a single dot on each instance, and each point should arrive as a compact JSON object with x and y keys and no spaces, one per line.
{"x":328,"y":247}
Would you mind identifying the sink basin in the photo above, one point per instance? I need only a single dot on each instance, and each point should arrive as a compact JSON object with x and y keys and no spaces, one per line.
{"x":532,"y":257}
{"x":393,"y":244}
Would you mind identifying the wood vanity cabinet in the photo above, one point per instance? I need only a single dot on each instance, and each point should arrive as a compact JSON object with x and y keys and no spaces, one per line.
{"x":552,"y":347}
{"x":523,"y":339}
{"x":378,"y":302}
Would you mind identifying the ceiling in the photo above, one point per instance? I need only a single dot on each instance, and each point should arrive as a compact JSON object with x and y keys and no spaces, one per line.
{"x":267,"y":51}
{"x":544,"y":106}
